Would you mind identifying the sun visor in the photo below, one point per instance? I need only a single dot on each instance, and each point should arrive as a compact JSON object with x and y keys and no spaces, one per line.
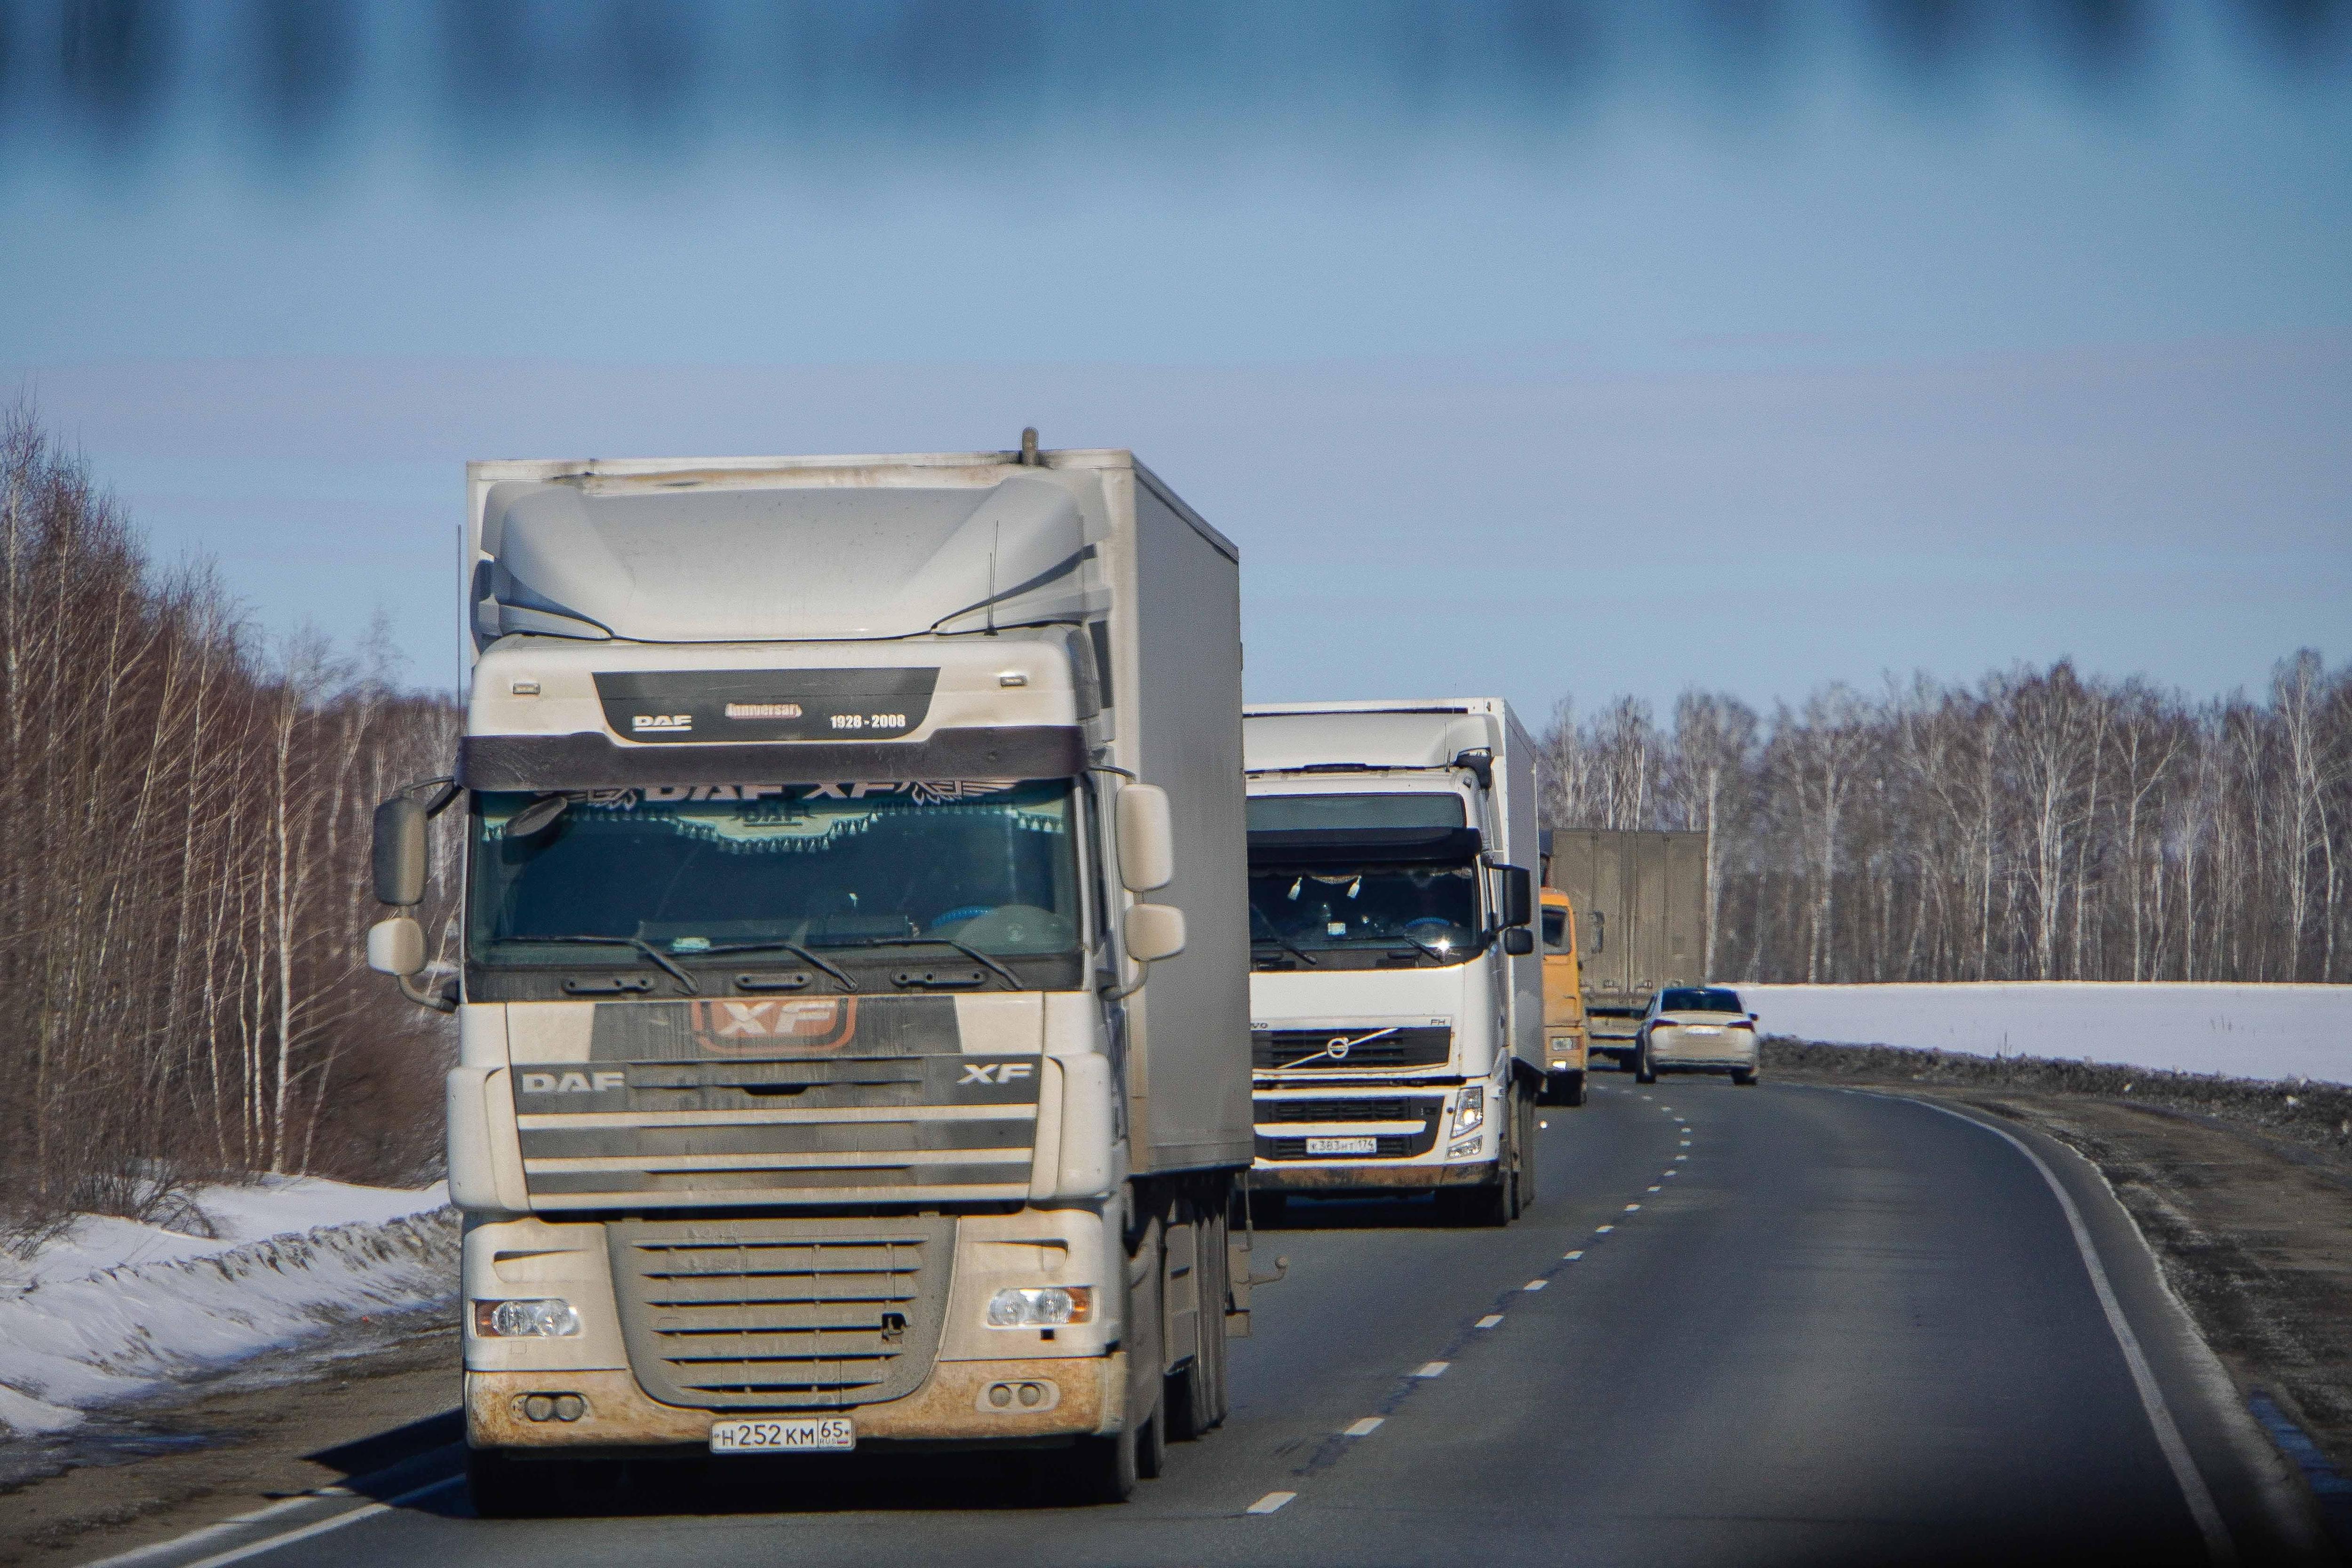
{"x":592,"y":761}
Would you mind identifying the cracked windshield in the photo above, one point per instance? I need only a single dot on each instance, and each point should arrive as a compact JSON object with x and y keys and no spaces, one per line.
{"x":1372,"y":877}
{"x":701,"y":870}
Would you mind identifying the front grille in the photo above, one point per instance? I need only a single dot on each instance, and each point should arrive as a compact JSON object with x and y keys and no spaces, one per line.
{"x":1355,"y":1050}
{"x":850,"y":1130}
{"x":814,"y":1314}
{"x":1386,"y":1108}
{"x":1387,"y":1146}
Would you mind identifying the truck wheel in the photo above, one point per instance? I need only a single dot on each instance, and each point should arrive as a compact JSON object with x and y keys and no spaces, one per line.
{"x":1571,"y":1088}
{"x":1523,"y":1152}
{"x":1100,"y":1469}
{"x":505,"y":1489}
{"x":1151,"y":1442}
{"x":1744,"y":1079}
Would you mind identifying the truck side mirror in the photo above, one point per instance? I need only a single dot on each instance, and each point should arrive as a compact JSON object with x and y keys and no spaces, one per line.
{"x":399,"y":855}
{"x":1154,"y":931}
{"x":1519,"y":896}
{"x":1519,"y":941}
{"x":1147,"y":840}
{"x":395,"y":947}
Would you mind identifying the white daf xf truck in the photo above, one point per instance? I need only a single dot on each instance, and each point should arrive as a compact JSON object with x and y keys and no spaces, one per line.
{"x":1396,"y":997}
{"x":827,"y":1079}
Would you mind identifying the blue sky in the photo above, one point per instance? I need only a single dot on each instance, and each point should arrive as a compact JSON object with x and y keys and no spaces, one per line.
{"x":1619,"y":358}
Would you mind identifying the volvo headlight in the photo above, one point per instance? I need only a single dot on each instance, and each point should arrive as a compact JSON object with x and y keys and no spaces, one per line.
{"x":1052,"y":1307}
{"x":1470,"y":1111}
{"x":525,"y":1319}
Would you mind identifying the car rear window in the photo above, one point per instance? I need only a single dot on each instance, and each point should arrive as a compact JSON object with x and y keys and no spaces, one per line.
{"x":1698,"y":1001}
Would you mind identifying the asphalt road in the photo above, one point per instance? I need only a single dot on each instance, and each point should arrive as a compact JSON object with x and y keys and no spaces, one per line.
{"x":1753,"y":1326}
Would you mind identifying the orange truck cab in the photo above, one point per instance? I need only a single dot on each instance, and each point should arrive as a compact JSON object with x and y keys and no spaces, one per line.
{"x":1563,"y":988}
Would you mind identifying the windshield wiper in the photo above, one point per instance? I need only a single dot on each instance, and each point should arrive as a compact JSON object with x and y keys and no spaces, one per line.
{"x":685,"y":981}
{"x":966,"y":949}
{"x":1284,"y":942}
{"x":1438,"y":953}
{"x":795,"y":948}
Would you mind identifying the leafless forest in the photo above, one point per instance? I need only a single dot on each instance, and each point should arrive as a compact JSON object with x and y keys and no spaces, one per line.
{"x":2039,"y":825}
{"x":185,"y":876}
{"x":182,"y":878}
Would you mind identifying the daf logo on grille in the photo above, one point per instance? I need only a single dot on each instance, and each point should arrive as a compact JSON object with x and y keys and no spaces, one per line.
{"x":996,"y":1072}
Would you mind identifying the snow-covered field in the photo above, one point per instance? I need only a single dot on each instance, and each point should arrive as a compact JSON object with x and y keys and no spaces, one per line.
{"x":2270,"y":1032}
{"x":113,"y":1306}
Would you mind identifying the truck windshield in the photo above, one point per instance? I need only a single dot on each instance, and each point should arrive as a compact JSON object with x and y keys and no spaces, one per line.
{"x":989,"y":862}
{"x":1351,"y":880}
{"x":1429,"y":913}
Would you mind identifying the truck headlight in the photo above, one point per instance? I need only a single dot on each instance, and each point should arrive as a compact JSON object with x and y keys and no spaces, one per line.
{"x":1052,"y":1307}
{"x":551,"y":1319}
{"x":1470,"y":1111}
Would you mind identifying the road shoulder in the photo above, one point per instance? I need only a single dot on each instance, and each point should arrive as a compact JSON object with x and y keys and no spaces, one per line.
{"x":2231,"y":1244}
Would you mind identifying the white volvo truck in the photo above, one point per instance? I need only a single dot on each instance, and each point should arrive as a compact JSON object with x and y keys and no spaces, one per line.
{"x":824,"y":1082}
{"x":1396,"y":997}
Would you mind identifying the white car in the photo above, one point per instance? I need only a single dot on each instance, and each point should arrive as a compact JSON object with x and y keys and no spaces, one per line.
{"x":1696,"y":1028}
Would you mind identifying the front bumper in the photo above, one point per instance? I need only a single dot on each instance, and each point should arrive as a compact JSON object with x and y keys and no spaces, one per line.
{"x":952,"y":1405}
{"x":1338,"y":1181}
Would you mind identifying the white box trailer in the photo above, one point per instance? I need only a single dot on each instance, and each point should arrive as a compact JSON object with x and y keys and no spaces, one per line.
{"x":824,"y":1080}
{"x":1396,"y":997}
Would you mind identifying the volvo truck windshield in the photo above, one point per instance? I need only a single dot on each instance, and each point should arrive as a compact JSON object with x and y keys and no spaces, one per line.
{"x":1356,"y":880}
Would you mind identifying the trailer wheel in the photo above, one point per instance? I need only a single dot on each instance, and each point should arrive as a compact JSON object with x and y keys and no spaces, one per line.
{"x":1571,"y":1088}
{"x":1195,"y":1397}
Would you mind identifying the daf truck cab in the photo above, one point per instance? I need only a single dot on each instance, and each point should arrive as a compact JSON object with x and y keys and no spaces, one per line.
{"x":1396,"y":999}
{"x":848,"y":964}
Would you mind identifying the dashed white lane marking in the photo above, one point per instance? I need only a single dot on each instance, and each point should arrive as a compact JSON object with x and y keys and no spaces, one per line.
{"x":1681,"y":1156}
{"x":1433,"y":1369}
{"x":1488,"y":1322}
{"x":1535,"y":1284}
{"x":1646,"y":1097}
{"x":1605,"y":1230}
{"x":1631,"y":1207}
{"x":1654,"y":1189}
{"x":1366,"y":1427}
{"x":1573,"y":1257}
{"x":1271,"y":1502}
{"x":1667,"y":1173}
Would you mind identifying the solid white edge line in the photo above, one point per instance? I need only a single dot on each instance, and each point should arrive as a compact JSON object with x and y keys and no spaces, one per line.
{"x":228,"y":1526}
{"x":2193,"y":1490}
{"x":1270,"y":1502}
{"x":255,"y":1549}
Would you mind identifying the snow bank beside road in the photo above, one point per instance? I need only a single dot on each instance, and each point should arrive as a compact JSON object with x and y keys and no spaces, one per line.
{"x":2266,"y":1032}
{"x":113,"y":1306}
